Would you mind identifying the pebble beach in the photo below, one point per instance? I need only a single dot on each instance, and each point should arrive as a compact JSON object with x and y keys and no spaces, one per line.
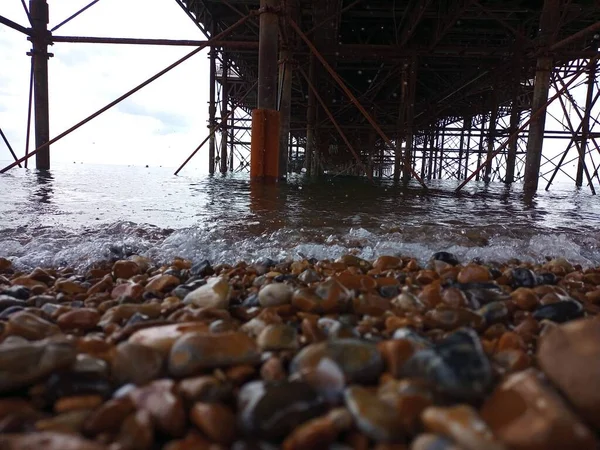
{"x":346,"y":353}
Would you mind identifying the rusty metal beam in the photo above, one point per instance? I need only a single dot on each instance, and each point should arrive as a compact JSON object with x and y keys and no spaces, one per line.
{"x":15,"y":26}
{"x":413,"y":21}
{"x":168,"y":42}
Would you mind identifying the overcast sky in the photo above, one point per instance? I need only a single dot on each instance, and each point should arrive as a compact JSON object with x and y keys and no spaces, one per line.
{"x":159,"y":125}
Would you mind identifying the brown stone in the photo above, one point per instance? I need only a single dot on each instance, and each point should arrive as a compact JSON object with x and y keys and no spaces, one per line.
{"x":30,"y":326}
{"x":129,"y":289}
{"x":214,"y":294}
{"x":75,"y":402}
{"x":162,"y":283}
{"x":163,"y":337}
{"x":387,"y":262}
{"x":195,"y":352}
{"x":320,"y":432}
{"x":82,"y":318}
{"x":525,"y":299}
{"x":511,"y":361}
{"x":137,"y":432}
{"x":569,"y":354}
{"x":454,"y":297}
{"x":161,"y":401}
{"x":526,"y":414}
{"x":125,"y":269}
{"x":373,"y":417}
{"x":69,"y":287}
{"x":273,"y":370}
{"x":109,"y":417}
{"x":449,"y":318}
{"x":409,"y":397}
{"x":473,"y":273}
{"x":463,"y":424}
{"x":5,"y":264}
{"x":395,"y":353}
{"x":370,"y":304}
{"x":67,"y":422}
{"x":511,"y":341}
{"x":278,"y":337}
{"x":215,"y":420}
{"x":362,"y":283}
{"x":47,"y":441}
{"x":27,"y":282}
{"x":192,"y":441}
{"x":136,"y":363}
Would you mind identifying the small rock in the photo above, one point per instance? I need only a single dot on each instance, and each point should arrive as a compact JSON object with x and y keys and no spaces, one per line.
{"x":559,"y":312}
{"x":275,"y":294}
{"x":570,"y":356}
{"x":375,"y":418}
{"x":82,"y":319}
{"x":195,"y":352}
{"x":309,"y":276}
{"x":135,"y":363}
{"x":109,"y":416}
{"x":136,"y":433}
{"x":525,"y":414}
{"x":215,"y":420}
{"x":30,"y":326}
{"x":24,"y":364}
{"x":163,"y":337}
{"x":273,"y":410}
{"x":474,"y":273}
{"x":214,"y":294}
{"x":446,"y":257}
{"x":160,"y":400}
{"x":278,"y":337}
{"x":456,"y":365}
{"x":463,"y":424}
{"x":162,"y":283}
{"x":47,"y":441}
{"x":125,"y":269}
{"x":360,"y":361}
{"x":429,"y":441}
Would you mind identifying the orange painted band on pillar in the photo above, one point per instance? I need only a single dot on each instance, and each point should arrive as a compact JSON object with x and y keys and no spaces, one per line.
{"x":264,"y":148}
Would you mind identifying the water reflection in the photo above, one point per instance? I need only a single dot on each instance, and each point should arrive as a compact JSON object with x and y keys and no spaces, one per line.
{"x":44,"y":191}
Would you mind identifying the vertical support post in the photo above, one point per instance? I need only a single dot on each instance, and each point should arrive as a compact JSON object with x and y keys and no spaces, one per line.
{"x":424,"y":153}
{"x":464,"y":130}
{"x":224,"y":102}
{"x":411,"y":86}
{"x":40,"y":38}
{"x":480,"y":149}
{"x":232,"y":131}
{"x":212,"y":107}
{"x":541,"y":87}
{"x":585,"y":123}
{"x":468,"y":146}
{"x":371,"y":152}
{"x":491,"y":136}
{"x":285,"y":109}
{"x":441,"y":147}
{"x":431,"y":154}
{"x":401,"y":122}
{"x":515,"y":116}
{"x":264,"y":158}
{"x":311,"y":116}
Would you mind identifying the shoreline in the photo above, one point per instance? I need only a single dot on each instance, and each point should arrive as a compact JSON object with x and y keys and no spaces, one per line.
{"x":304,"y":354}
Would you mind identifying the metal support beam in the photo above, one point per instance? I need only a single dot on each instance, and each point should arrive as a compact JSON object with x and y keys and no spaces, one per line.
{"x":224,"y":112}
{"x":591,"y":82}
{"x":212,"y":107}
{"x":548,"y":23}
{"x":40,"y":39}
{"x":311,"y":118}
{"x":10,"y":149}
{"x":268,"y":51}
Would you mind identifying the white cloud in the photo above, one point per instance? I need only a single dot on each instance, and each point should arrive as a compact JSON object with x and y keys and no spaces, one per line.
{"x":159,"y":125}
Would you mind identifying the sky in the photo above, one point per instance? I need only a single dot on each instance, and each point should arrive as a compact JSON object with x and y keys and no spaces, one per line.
{"x":159,"y":125}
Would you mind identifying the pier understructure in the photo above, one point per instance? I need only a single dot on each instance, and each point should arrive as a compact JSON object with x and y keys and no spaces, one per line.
{"x":411,"y":90}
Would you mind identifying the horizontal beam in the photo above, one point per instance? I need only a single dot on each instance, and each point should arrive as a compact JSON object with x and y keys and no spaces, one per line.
{"x":140,"y":41}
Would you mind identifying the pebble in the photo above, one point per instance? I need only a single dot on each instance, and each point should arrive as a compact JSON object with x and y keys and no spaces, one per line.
{"x":570,"y":356}
{"x":162,"y":283}
{"x":136,"y":363}
{"x":359,"y":361}
{"x":216,"y":421}
{"x":164,"y":406}
{"x":456,"y":365}
{"x":47,"y":441}
{"x":524,"y":413}
{"x":559,"y":312}
{"x":163,"y":337}
{"x":275,"y":294}
{"x":273,"y":410}
{"x":278,"y":337}
{"x":214,"y":294}
{"x":375,"y":418}
{"x":463,"y":425}
{"x":195,"y":352}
